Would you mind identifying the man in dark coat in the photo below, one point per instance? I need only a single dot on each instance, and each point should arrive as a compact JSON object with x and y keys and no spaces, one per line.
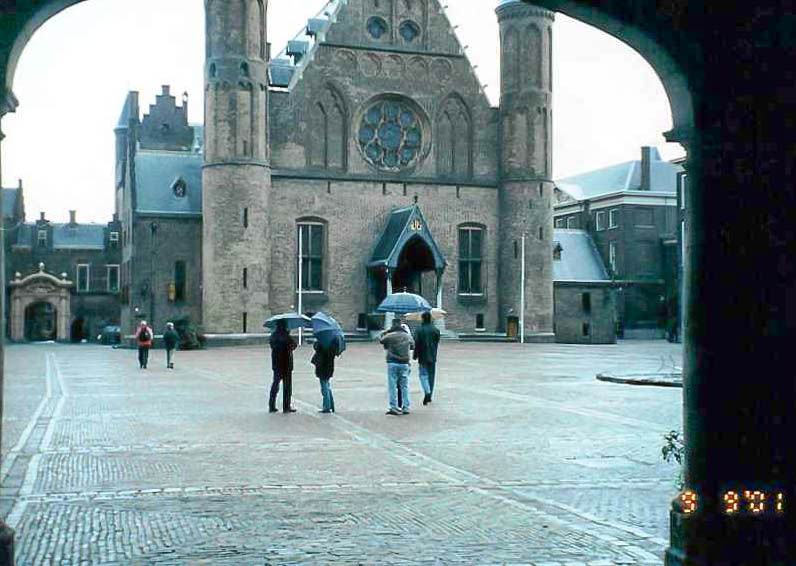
{"x":282,"y":346}
{"x":323,"y":359}
{"x":426,"y":343}
{"x":170,"y":339}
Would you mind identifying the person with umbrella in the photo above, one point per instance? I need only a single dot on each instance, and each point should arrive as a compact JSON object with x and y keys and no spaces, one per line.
{"x":426,"y":343}
{"x":329,"y":343}
{"x":397,"y":342}
{"x":282,"y":346}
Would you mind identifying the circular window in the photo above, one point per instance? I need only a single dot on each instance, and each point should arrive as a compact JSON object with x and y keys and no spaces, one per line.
{"x":377,"y":27}
{"x":390,"y":135}
{"x":409,"y":31}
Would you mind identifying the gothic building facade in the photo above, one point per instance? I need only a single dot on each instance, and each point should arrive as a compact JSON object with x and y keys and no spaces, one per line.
{"x":370,"y":140}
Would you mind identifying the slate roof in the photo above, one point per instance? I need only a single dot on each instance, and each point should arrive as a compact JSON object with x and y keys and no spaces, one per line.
{"x":156,"y":172}
{"x":282,"y":68}
{"x":25,"y":235}
{"x":580,"y":260}
{"x":79,"y":236}
{"x":622,"y":177}
{"x":10,"y":197}
{"x":397,"y":234}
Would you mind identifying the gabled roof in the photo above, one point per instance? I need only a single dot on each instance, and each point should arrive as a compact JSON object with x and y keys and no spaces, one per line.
{"x":403,"y":225}
{"x":79,"y":236}
{"x":622,"y":177}
{"x":156,"y":173}
{"x":580,"y":260}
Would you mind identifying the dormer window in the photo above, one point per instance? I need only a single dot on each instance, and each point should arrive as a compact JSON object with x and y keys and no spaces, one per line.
{"x":42,"y":240}
{"x":114,"y":239}
{"x":179,"y":187}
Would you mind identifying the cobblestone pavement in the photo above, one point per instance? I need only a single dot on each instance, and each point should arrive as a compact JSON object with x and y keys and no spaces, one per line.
{"x":523,"y":458}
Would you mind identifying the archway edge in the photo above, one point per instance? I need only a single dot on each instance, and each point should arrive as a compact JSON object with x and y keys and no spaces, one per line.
{"x":630,"y":23}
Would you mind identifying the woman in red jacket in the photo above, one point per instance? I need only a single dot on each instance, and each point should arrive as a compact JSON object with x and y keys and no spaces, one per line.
{"x":144,"y":336}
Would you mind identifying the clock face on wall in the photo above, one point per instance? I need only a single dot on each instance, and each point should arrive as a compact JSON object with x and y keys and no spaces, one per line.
{"x":390,"y":134}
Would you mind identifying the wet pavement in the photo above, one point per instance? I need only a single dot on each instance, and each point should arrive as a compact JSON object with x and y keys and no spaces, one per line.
{"x":523,"y":458}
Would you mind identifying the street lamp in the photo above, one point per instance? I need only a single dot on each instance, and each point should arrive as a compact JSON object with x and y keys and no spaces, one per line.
{"x":153,"y":228}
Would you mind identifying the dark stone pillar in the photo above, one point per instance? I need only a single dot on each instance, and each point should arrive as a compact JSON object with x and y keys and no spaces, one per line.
{"x":6,"y":533}
{"x":739,"y":384}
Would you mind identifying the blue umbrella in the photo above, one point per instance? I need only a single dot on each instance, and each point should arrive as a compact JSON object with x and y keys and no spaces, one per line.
{"x":403,"y":303}
{"x":294,"y":320}
{"x":328,"y":331}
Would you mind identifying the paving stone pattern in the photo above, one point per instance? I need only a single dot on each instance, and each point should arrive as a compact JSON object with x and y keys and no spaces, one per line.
{"x":523,"y":458}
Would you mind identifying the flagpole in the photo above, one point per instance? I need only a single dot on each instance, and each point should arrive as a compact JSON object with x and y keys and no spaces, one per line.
{"x":300,"y":277}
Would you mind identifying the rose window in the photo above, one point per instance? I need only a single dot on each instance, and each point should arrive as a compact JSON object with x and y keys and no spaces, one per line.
{"x":390,"y":135}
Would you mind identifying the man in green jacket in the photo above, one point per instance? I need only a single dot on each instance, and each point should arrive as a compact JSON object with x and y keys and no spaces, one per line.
{"x":397,"y":343}
{"x":170,"y":340}
{"x":426,"y":343}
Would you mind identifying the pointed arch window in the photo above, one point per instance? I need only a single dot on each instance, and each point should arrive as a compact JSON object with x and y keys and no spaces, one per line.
{"x":471,"y":259}
{"x":454,"y":139}
{"x":328,"y":131}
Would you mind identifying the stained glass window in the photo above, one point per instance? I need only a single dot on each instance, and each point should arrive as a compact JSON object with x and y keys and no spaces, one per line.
{"x":377,"y":27}
{"x":390,"y":135}
{"x":409,"y":31}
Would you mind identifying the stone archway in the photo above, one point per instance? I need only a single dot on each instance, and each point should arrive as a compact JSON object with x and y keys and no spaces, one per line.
{"x":40,"y":287}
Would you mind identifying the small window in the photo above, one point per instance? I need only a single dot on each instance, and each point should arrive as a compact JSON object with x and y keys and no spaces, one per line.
{"x":541,"y":233}
{"x":586,"y":329}
{"x":377,"y":27}
{"x":82,"y":278}
{"x":530,"y":205}
{"x":179,"y":187}
{"x":586,"y":300}
{"x":113,"y":239}
{"x":245,"y":277}
{"x":42,"y":238}
{"x":245,"y":217}
{"x":179,"y":281}
{"x":516,"y":250}
{"x":113,"y":279}
{"x":244,"y":69}
{"x":212,"y":70}
{"x":479,"y":322}
{"x":245,"y":321}
{"x":572,"y":222}
{"x":613,"y":218}
{"x":362,"y":321}
{"x":599,"y":221}
{"x":409,"y":30}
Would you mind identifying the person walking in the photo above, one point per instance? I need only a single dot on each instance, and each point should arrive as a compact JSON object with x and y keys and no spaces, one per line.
{"x":397,"y":342}
{"x":282,"y":346}
{"x":144,"y":336}
{"x":426,"y":344}
{"x":170,"y":339}
{"x":323,"y":359}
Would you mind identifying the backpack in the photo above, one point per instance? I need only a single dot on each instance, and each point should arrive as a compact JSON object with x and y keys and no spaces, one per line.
{"x":145,"y":335}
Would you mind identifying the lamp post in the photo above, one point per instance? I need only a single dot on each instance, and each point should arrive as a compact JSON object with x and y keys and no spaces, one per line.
{"x":300,"y":276}
{"x":522,"y":293}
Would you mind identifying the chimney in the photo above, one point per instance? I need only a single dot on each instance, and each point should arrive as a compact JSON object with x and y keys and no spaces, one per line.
{"x":41,"y":217}
{"x":115,"y":217}
{"x":165,"y":90}
{"x":72,"y":214}
{"x":20,"y":184}
{"x":646,"y":168}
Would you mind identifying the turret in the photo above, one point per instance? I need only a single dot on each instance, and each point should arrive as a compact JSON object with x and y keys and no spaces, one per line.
{"x":526,"y":188}
{"x":236,"y":179}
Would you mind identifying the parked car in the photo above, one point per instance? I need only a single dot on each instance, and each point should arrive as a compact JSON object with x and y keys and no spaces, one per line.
{"x":110,"y":335}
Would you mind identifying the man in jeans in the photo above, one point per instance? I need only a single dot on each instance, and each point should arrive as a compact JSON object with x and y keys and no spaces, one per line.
{"x":397,"y":343}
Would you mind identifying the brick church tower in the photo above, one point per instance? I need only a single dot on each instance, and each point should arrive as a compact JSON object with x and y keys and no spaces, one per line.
{"x":236,"y":177}
{"x":525,"y":184}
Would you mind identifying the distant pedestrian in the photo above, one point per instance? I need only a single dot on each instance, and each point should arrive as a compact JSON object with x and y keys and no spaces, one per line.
{"x":426,"y":344}
{"x":323,"y":359}
{"x":397,"y":342}
{"x":170,"y":340}
{"x":282,"y":346}
{"x":144,"y":336}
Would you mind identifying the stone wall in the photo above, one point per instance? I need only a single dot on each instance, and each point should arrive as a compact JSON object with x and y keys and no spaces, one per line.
{"x":574,"y":325}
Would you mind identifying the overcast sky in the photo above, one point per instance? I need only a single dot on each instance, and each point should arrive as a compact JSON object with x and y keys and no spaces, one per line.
{"x":73,"y":76}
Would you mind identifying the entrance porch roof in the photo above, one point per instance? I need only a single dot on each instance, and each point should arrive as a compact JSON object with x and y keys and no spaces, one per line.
{"x":403,"y":225}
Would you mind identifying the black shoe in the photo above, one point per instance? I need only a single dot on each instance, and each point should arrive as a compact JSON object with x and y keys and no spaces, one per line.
{"x":426,"y":399}
{"x":324,"y":411}
{"x":273,"y":410}
{"x":394,"y":412}
{"x":290,"y":410}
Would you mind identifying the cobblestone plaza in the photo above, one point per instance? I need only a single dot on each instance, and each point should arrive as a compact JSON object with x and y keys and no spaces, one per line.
{"x":523,"y":458}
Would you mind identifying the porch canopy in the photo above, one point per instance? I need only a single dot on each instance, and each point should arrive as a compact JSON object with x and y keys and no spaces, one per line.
{"x":404,"y":225}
